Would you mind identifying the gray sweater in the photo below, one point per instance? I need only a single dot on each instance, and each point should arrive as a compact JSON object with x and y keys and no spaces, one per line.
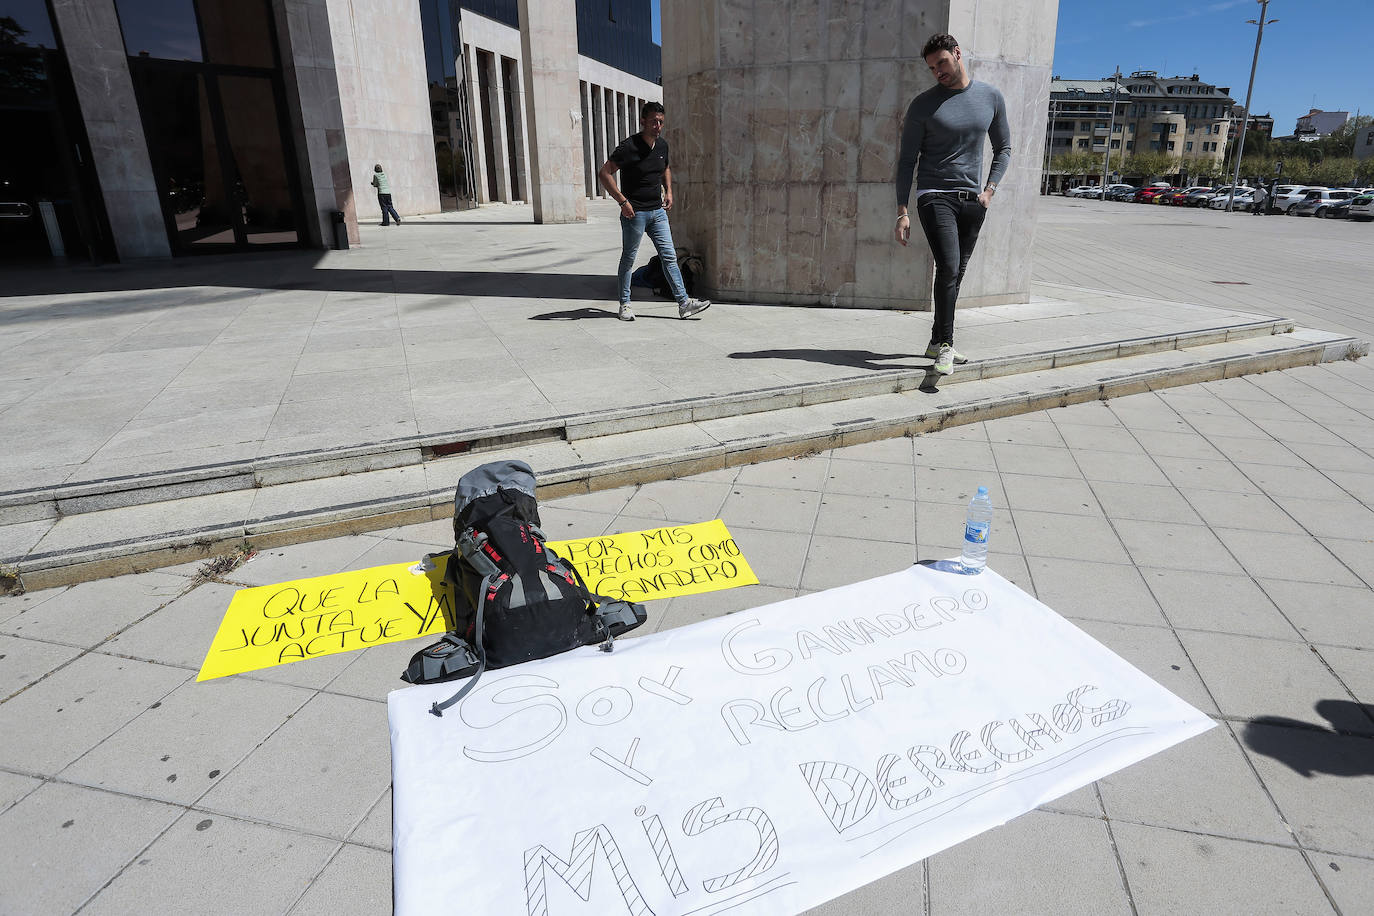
{"x":944,"y":130}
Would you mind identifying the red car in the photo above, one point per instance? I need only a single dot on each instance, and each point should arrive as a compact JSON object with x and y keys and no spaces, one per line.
{"x":1152,"y":195}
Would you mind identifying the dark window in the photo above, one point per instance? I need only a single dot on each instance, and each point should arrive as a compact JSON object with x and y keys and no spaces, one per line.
{"x":165,"y":29}
{"x":25,"y":24}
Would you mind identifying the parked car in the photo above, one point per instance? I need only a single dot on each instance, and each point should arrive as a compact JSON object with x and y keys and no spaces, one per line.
{"x":1081,"y":191}
{"x":1317,"y":201}
{"x":1197,"y":197}
{"x":1179,"y":198}
{"x":1362,"y":207}
{"x":1244,"y":199}
{"x":1122,"y":192}
{"x":1224,"y":194}
{"x":1340,"y":209}
{"x":1287,"y":196}
{"x":1151,"y":194}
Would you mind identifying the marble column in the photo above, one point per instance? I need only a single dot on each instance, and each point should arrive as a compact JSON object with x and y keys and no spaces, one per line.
{"x":471,"y":63}
{"x":602,"y":152}
{"x":316,"y":116}
{"x":589,"y":163}
{"x":500,"y":145}
{"x":105,"y":91}
{"x":785,"y":116}
{"x":548,"y":40}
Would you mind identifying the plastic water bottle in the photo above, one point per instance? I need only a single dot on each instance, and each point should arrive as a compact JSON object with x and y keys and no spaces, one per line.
{"x":976,"y":529}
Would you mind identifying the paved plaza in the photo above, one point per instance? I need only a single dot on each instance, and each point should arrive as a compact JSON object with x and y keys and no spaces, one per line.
{"x":1217,"y":536}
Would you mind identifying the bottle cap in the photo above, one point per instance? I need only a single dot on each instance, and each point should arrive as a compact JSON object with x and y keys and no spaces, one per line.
{"x":982,"y":491}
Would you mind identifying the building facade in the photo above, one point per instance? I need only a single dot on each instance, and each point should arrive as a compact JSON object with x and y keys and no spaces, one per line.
{"x":156,"y":128}
{"x":1317,"y":124}
{"x":1364,"y":143}
{"x":1086,"y":116}
{"x":1181,"y":116}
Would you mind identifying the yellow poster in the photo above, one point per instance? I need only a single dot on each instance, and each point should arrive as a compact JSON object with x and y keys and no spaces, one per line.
{"x":306,"y":618}
{"x":661,"y":563}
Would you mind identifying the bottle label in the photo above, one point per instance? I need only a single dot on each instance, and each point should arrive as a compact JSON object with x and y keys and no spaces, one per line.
{"x":976,"y":532}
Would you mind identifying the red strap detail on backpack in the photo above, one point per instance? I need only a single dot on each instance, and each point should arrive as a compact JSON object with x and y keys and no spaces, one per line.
{"x":562,"y":574}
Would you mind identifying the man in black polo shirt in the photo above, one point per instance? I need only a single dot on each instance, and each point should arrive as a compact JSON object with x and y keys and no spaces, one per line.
{"x":645,"y":196}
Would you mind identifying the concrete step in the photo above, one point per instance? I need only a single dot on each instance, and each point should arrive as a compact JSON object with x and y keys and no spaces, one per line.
{"x":79,"y":496}
{"x":625,"y":447}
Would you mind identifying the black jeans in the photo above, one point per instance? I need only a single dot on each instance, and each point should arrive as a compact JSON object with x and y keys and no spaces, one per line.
{"x":951,"y":226}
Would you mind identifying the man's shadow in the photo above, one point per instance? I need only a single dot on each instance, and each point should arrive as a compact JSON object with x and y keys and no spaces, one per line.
{"x":1345,"y":749}
{"x":589,"y":312}
{"x":856,"y":359}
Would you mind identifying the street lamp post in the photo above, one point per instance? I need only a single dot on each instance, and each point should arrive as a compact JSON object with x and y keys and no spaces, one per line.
{"x":1049,"y":143}
{"x":1240,"y":146}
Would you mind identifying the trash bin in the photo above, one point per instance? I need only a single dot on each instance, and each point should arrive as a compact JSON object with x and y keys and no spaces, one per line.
{"x":336,"y":220}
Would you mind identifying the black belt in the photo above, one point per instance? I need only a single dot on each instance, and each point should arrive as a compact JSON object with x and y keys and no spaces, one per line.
{"x":959,"y":195}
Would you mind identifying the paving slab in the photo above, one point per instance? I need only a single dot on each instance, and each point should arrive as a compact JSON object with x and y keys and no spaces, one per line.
{"x":212,"y":864}
{"x":1172,"y":872}
{"x":92,"y":834}
{"x":1086,"y":878}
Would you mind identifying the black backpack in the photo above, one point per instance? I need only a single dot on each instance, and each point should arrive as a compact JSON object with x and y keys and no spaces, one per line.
{"x":689,"y":265}
{"x":515,"y":599}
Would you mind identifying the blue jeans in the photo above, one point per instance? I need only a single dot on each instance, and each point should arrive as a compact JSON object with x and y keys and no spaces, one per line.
{"x":384,"y":201}
{"x":654,"y":222}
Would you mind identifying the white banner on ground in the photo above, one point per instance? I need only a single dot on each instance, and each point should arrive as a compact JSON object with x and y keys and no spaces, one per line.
{"x":762,"y":762}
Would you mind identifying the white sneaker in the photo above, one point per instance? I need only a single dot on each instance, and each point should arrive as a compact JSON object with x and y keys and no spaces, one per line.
{"x":933,"y":351}
{"x":944,"y":362}
{"x":692,"y":307}
{"x":626,"y":313}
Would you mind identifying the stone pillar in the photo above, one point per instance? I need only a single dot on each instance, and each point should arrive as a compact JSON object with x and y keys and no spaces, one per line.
{"x":522,"y":135}
{"x":589,"y":164}
{"x":479,"y":148}
{"x":100,"y":70}
{"x":785,"y":117}
{"x":601,"y":151}
{"x":548,"y":40}
{"x":316,"y":116}
{"x":499,"y":134}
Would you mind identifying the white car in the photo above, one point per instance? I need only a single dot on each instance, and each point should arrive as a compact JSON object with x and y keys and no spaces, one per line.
{"x":1362,"y":207}
{"x":1245,"y":199}
{"x":1287,"y":196}
{"x":1084,"y":190}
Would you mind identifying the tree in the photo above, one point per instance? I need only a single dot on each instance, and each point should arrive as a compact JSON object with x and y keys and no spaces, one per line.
{"x":1340,"y":143}
{"x":1150,"y":165}
{"x":1074,"y":164}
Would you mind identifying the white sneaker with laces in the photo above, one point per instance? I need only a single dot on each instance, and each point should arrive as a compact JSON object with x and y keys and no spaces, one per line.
{"x":933,"y":351}
{"x":626,"y":313}
{"x":944,"y":362}
{"x":692,"y":307}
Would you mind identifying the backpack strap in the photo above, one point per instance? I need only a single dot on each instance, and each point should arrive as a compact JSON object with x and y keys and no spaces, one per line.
{"x":438,"y":708}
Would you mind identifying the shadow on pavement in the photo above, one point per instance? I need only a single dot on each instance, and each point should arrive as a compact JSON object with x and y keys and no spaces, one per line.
{"x":294,"y":270}
{"x":859,"y":359}
{"x":588,"y":312}
{"x":1308,"y":749}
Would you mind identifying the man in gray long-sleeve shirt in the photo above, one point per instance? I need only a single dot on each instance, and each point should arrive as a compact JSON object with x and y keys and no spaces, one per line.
{"x":942,"y":141}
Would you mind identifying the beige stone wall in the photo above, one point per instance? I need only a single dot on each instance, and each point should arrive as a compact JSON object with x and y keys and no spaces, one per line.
{"x":784,"y":162}
{"x":379,"y":57}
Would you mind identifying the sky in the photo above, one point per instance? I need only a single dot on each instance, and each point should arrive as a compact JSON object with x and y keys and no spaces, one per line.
{"x":1310,"y":58}
{"x":1318,"y":54}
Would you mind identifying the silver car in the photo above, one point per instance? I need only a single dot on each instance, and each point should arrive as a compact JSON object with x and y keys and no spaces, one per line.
{"x":1317,"y":201}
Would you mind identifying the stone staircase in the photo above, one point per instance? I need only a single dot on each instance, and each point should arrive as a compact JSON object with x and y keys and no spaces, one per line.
{"x":86,"y":529}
